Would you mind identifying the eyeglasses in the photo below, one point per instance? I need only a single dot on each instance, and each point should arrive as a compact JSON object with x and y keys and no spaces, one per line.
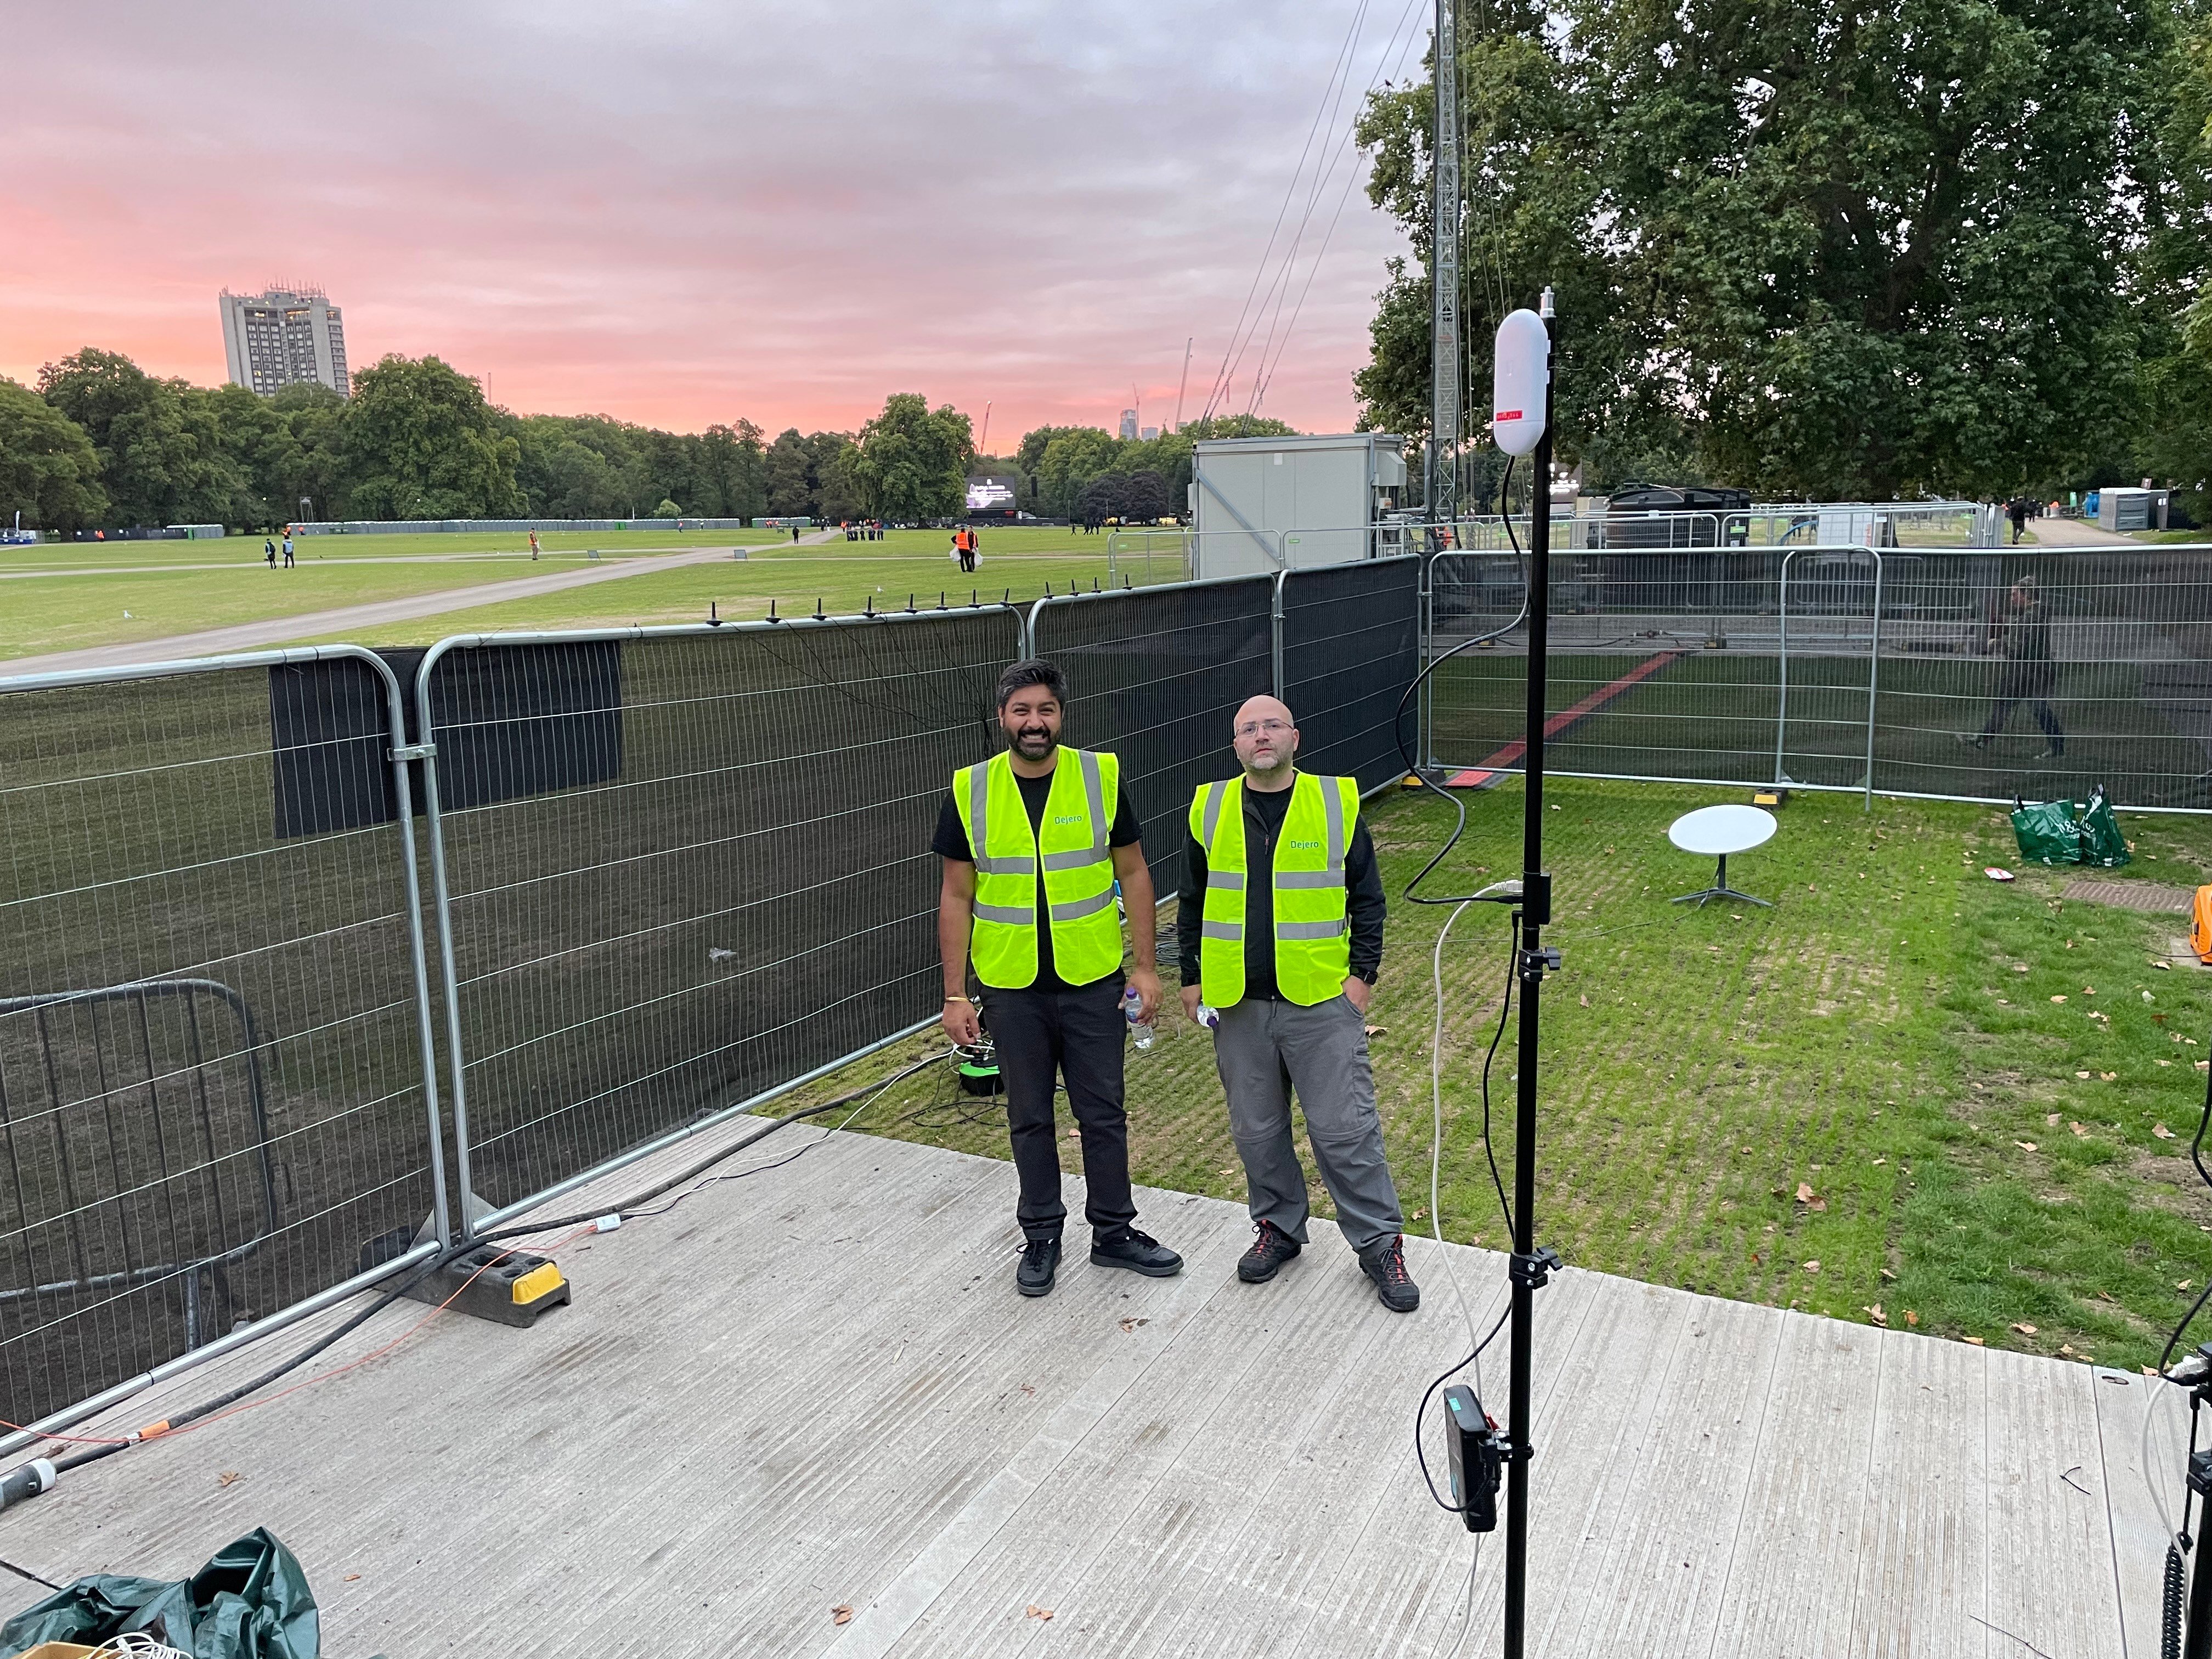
{"x":1253,"y":728}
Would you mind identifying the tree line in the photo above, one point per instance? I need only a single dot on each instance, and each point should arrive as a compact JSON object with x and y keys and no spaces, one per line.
{"x":1955,"y":246}
{"x":99,"y":441}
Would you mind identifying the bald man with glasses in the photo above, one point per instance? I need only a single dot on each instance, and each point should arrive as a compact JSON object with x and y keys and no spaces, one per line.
{"x":1279,"y":924}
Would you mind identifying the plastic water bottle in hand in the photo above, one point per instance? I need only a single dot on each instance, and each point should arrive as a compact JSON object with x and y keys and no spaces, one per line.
{"x":1140,"y":1029}
{"x":1209,"y":1016}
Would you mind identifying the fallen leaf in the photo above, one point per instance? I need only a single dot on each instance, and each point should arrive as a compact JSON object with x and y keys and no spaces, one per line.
{"x":2182,"y":1284}
{"x":1875,"y":1314}
{"x":2079,"y":1128}
{"x":2059,"y":999}
{"x":2024,"y":1328}
{"x":2109,"y":1077}
{"x":1889,"y":1272}
{"x":1812,"y":1267}
{"x":2066,"y":1350}
{"x":1804,"y":1192}
{"x":2019,"y":967}
{"x":1038,"y":1612}
{"x":2088,"y":990}
{"x":1378,"y":1031}
{"x":2148,"y":997}
{"x":228,"y":1477}
{"x":1911,"y":1317}
{"x":1130,"y":1321}
{"x":841,"y":1614}
{"x":1075,"y":1134}
{"x":1880,"y":1161}
{"x":350,"y":1578}
{"x":1976,"y":1342}
{"x":1583,"y":999}
{"x":2050,"y":1119}
{"x":2025,"y":1145}
{"x":2166,"y":965}
{"x":2161,"y":1131}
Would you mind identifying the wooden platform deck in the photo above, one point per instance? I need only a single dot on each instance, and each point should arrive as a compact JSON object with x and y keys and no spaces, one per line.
{"x":815,"y":1388}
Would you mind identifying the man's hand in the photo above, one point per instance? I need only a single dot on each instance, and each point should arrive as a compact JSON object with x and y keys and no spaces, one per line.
{"x":1357,"y":992}
{"x":1148,"y":991}
{"x":962,"y":1024}
{"x":1191,"y":996}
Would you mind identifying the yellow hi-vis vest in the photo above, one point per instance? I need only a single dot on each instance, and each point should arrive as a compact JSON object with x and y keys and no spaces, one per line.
{"x":1078,"y":869}
{"x":1313,"y":937}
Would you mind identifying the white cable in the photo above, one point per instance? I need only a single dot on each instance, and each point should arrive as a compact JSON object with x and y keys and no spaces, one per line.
{"x":1437,"y":1137}
{"x":2150,"y":1482}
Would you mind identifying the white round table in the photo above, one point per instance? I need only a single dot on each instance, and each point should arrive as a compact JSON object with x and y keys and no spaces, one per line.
{"x":1716,"y":832}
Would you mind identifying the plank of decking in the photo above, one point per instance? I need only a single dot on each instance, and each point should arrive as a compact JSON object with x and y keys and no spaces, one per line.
{"x":1795,"y":1553}
{"x":2138,"y":1537}
{"x":1923,"y":1551}
{"x":2050,"y":1573}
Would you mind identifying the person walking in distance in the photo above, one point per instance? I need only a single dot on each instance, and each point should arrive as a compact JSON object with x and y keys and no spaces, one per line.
{"x":966,"y":540}
{"x":1279,"y":923}
{"x":2030,"y":675}
{"x":288,"y":548}
{"x":2016,"y":510}
{"x":533,"y":547}
{"x":1031,"y":855}
{"x":269,"y":551}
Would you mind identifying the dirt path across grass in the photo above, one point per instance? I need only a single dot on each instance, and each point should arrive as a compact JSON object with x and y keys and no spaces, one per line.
{"x":273,"y":630}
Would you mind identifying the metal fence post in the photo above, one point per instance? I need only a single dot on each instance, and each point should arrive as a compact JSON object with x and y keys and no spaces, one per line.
{"x":1874,"y":675}
{"x":440,"y":898}
{"x":1782,"y":700}
{"x":1275,"y":634}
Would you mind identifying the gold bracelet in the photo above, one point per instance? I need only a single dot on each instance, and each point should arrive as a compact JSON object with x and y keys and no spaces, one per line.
{"x":958,"y":999}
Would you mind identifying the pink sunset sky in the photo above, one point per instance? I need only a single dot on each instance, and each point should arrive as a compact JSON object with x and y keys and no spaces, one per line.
{"x":681,"y":213}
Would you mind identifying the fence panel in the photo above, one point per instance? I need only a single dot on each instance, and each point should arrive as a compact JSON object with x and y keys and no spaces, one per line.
{"x":1351,"y":643}
{"x":1155,"y":675}
{"x":215,"y":1099}
{"x":1902,"y":670}
{"x":1665,"y":663}
{"x":683,"y":865}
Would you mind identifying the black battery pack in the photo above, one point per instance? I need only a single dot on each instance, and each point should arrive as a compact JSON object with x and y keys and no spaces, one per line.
{"x":1478,"y":1458}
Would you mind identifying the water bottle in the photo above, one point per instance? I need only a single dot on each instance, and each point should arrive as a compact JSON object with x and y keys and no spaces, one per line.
{"x":1140,"y":1029}
{"x":1209,"y":1016}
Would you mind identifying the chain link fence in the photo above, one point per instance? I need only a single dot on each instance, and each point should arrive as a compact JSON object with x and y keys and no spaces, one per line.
{"x":1970,"y":674}
{"x":215,"y":1106}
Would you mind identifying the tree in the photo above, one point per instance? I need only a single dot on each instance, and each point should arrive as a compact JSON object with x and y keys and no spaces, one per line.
{"x":787,"y":473}
{"x":2175,"y":381}
{"x":1069,"y":462}
{"x":913,"y":460}
{"x":418,"y":441}
{"x":49,"y":472}
{"x":1845,"y":254}
{"x":667,"y":509}
{"x":159,"y":445}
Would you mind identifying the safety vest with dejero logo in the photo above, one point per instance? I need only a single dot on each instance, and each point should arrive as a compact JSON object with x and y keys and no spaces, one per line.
{"x":1313,"y":939}
{"x":1078,"y":869}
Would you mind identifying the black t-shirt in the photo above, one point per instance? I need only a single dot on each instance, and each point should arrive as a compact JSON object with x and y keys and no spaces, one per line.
{"x":950,"y":842}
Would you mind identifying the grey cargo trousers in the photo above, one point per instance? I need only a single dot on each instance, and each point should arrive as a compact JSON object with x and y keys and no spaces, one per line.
{"x":1264,"y":1050}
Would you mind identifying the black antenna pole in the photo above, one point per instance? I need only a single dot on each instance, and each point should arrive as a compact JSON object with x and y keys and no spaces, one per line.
{"x":1530,"y":1266}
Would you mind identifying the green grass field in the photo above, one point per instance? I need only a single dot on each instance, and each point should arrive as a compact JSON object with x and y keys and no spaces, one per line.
{"x":182,"y":587}
{"x":842,"y":577}
{"x":1906,"y":1087}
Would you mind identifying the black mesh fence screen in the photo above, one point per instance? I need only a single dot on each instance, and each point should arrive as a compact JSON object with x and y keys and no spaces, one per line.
{"x":1351,"y":646}
{"x":210,"y":1072}
{"x":744,"y":894}
{"x":1155,"y":674}
{"x":1983,"y":674}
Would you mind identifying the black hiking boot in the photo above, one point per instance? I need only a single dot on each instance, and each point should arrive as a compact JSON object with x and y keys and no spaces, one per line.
{"x":1138,"y":1252}
{"x":1269,"y":1251}
{"x":1040,"y":1262}
{"x":1385,"y":1263}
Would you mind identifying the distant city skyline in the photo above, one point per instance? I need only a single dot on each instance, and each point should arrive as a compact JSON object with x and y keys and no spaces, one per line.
{"x":282,"y":336}
{"x":629,"y":214}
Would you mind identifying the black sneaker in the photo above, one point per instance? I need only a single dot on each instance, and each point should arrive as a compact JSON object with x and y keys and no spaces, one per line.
{"x":1269,"y":1251}
{"x":1040,"y":1262}
{"x":1385,"y":1265}
{"x":1136,"y":1251}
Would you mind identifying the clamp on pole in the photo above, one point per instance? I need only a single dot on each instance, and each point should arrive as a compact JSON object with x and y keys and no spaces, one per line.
{"x":1534,"y":1271}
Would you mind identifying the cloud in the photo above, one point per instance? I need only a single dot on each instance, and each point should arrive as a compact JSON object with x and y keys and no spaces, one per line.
{"x":678,"y":212}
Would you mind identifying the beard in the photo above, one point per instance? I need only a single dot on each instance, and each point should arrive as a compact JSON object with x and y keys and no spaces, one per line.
{"x":1035,"y":742}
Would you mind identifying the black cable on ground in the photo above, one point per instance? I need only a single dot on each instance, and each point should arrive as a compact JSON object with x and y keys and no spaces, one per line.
{"x":453,"y":1252}
{"x":25,"y":1572}
{"x":1412,"y":686}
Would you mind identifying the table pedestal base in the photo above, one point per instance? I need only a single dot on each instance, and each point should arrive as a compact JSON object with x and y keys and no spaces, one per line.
{"x":1720,"y":889}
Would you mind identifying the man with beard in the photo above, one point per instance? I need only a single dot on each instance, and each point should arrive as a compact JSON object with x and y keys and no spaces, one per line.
{"x":1031,"y":861}
{"x":1280,"y":926}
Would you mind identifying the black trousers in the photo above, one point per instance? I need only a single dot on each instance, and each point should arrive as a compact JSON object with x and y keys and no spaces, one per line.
{"x":1078,"y":1034}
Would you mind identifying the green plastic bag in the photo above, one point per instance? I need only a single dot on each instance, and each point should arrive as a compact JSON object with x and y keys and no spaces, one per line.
{"x":251,"y":1602}
{"x":2102,"y":843}
{"x":2047,"y":833}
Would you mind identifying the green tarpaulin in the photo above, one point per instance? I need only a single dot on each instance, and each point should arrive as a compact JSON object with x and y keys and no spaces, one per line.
{"x":251,"y":1602}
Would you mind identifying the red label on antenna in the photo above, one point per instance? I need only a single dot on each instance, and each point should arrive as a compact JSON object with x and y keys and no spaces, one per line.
{"x":1509,"y":415}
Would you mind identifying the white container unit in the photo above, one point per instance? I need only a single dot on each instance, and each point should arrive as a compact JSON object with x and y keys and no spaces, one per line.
{"x":1262,"y":504}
